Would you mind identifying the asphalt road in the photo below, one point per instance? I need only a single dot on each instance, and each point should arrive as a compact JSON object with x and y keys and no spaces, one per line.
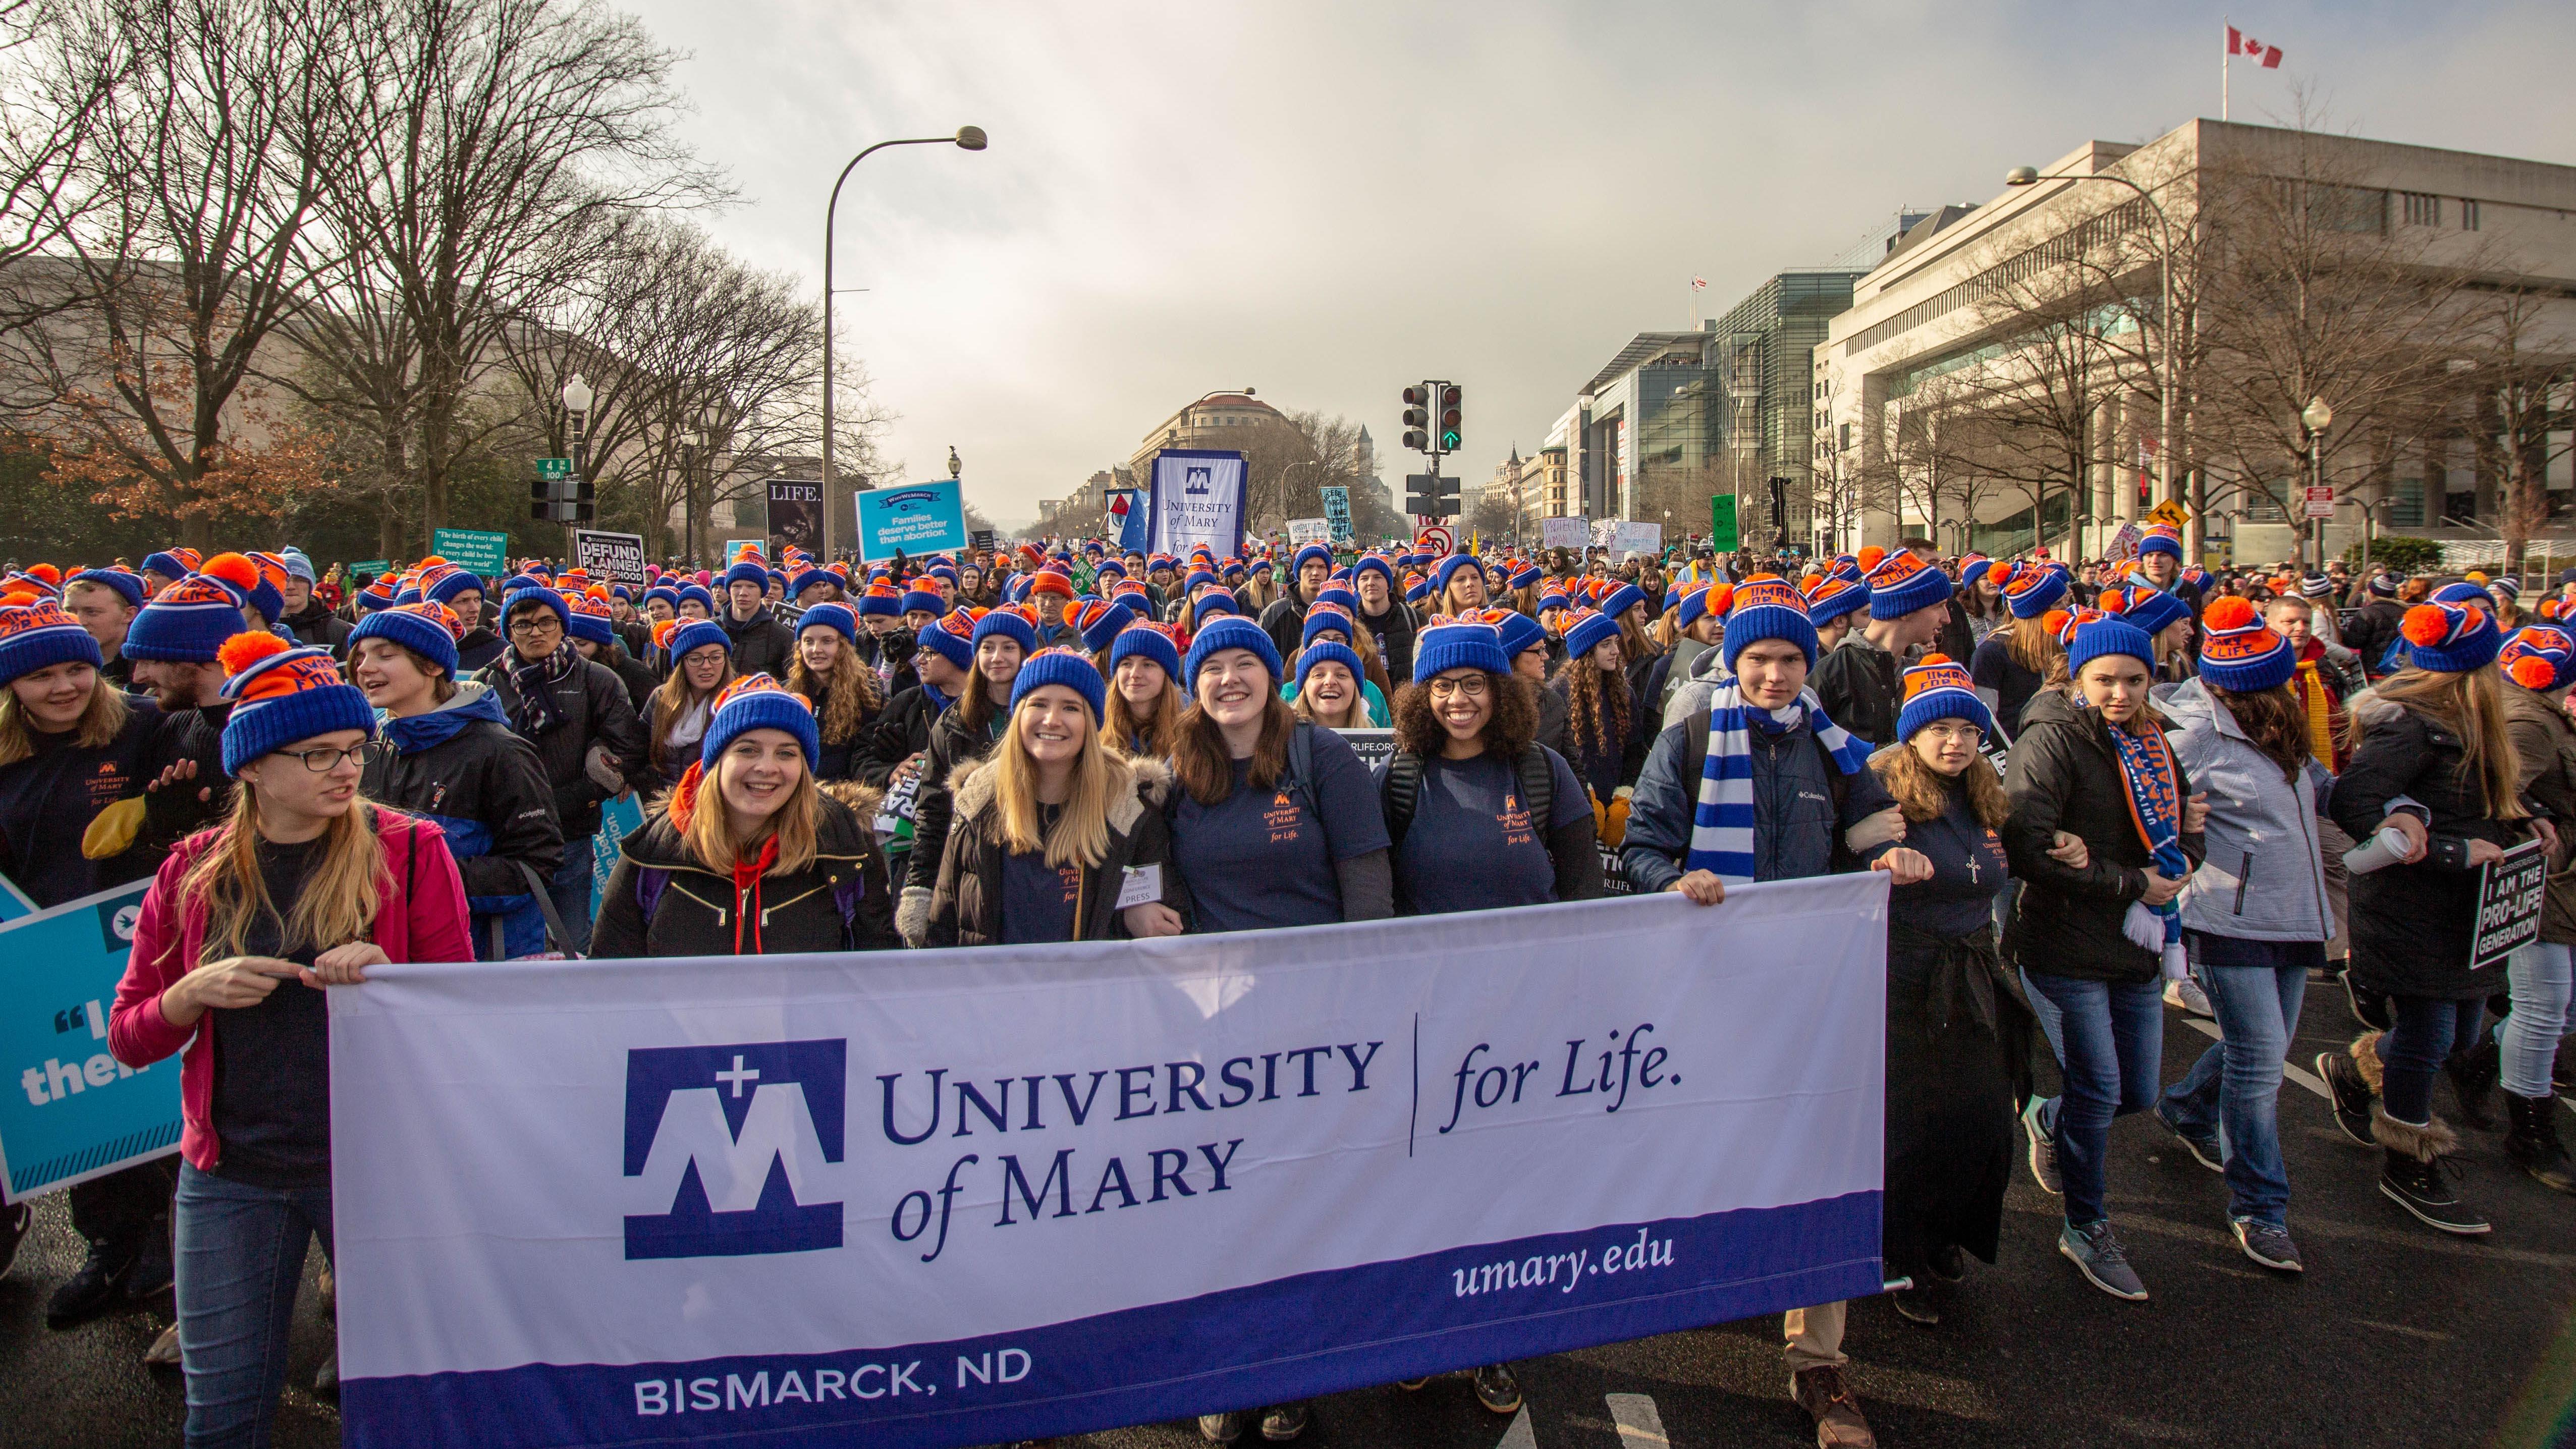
{"x":2396,"y":1335}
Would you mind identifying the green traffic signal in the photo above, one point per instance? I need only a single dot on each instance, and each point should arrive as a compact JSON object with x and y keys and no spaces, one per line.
{"x":1449,"y":439}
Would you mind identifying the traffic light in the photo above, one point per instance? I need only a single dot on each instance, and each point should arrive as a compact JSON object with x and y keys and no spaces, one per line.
{"x":1451,"y":395}
{"x":1428,"y":495}
{"x":1417,"y":419}
{"x":562,"y":500}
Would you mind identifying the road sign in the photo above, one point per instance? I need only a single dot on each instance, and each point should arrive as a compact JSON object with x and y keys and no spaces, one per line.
{"x":2170,"y":513}
{"x":473,"y":550}
{"x":2321,"y":502}
{"x":1721,"y":522}
{"x":554,"y":468}
{"x":1439,"y":541}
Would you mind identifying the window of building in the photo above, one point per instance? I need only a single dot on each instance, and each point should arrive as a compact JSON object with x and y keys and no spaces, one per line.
{"x":2468,"y":214}
{"x":2406,"y":503}
{"x":2422,"y":210}
{"x":1842,"y":438}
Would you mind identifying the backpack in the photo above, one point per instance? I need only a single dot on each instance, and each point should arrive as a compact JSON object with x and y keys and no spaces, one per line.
{"x":1404,"y":790}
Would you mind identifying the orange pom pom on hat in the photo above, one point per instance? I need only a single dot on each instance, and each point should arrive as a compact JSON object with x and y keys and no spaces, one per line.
{"x":282,"y":694}
{"x":2450,"y":638}
{"x":2239,"y":653}
{"x":2539,"y":656}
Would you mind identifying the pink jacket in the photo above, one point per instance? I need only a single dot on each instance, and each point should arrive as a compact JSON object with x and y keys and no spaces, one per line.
{"x":422,"y":918}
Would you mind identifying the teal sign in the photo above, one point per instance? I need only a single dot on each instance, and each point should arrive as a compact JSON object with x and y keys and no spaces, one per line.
{"x":70,"y":1111}
{"x":554,"y":469}
{"x":912,"y":518}
{"x":473,"y":550}
{"x":374,"y":568}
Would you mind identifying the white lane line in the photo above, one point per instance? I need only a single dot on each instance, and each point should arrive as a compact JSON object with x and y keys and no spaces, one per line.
{"x":1519,"y":1435}
{"x":2300,"y":1075}
{"x":1640,"y":1426}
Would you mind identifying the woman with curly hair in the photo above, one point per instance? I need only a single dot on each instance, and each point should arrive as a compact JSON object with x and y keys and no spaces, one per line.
{"x":829,"y":673}
{"x":1604,"y":735}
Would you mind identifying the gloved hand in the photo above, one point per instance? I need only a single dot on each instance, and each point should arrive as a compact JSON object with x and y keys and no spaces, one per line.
{"x":112,"y":829}
{"x":912,"y":916}
{"x":602,"y":770}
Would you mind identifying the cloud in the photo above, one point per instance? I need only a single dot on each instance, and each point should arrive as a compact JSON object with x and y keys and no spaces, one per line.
{"x":1330,"y":200}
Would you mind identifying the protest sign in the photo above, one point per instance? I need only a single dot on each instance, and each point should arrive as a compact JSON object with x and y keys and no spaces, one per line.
{"x":1374,"y":747}
{"x":1564,"y":532}
{"x":1303,"y":531}
{"x":70,"y":1111}
{"x":2511,"y":892}
{"x":1337,"y":511}
{"x":1643,"y":538}
{"x":618,"y":819}
{"x":473,"y":550}
{"x":912,"y":518}
{"x":1197,"y":497}
{"x":616,"y":557}
{"x":795,"y":515}
{"x":972,"y":1196}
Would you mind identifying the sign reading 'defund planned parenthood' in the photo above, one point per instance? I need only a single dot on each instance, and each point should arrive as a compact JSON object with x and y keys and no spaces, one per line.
{"x":912,"y":518}
{"x":973,"y":1196}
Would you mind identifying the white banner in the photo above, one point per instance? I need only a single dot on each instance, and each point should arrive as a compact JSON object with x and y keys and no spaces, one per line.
{"x":1564,"y":532}
{"x":960,"y":1197}
{"x":1196,"y":498}
{"x":1303,"y":531}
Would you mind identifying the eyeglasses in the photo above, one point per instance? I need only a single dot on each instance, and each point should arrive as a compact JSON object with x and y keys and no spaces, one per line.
{"x":1472,"y":686}
{"x":1954,"y":732}
{"x":532,"y":628}
{"x":324,"y":761}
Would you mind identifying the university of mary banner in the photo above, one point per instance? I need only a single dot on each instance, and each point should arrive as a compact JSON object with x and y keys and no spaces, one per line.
{"x":1197,"y":498}
{"x":963,"y":1197}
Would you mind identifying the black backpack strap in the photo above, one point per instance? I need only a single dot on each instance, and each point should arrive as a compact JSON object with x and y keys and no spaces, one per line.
{"x":1301,"y":767}
{"x":1403,"y":793}
{"x":1538,"y":787}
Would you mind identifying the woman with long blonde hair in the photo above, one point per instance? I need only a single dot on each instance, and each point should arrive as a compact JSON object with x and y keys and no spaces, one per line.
{"x":1144,"y":690}
{"x":305,"y":886}
{"x":2435,"y":733}
{"x":701,"y":656}
{"x":747,"y":855}
{"x":1050,"y":827}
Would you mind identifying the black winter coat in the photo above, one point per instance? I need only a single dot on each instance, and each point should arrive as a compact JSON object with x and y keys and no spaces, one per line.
{"x":902,"y":730}
{"x":484,"y":787}
{"x":761,"y":644}
{"x":596,"y":710}
{"x":966,"y":904}
{"x":319,"y":627}
{"x":2412,"y":924}
{"x":2064,"y":774}
{"x":1862,"y":689}
{"x":2373,"y":631}
{"x":639,"y":680}
{"x":478,"y":648}
{"x":661,"y":902}
{"x":952,"y":747}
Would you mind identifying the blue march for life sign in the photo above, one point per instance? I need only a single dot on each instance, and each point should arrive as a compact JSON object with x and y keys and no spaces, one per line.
{"x":69,"y":1111}
{"x":931,"y":1198}
{"x":915,"y":518}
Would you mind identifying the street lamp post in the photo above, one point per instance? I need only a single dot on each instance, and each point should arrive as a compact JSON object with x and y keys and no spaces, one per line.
{"x":577,"y":398}
{"x":2166,"y":488}
{"x":2316,"y":417}
{"x":968,"y":138}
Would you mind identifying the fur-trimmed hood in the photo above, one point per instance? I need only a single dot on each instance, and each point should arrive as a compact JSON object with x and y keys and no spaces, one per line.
{"x":1135,"y":785}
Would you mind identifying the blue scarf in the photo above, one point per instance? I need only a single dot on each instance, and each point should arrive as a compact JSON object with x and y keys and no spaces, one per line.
{"x":2155,"y":806}
{"x":1721,"y":838}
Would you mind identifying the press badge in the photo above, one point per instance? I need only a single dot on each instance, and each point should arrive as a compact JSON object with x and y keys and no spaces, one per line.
{"x":1143,"y":886}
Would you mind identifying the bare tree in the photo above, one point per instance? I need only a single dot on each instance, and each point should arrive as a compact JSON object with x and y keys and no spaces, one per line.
{"x":49,"y":113}
{"x":2522,"y":378}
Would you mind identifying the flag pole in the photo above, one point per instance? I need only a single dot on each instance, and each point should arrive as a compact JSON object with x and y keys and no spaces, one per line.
{"x":2226,"y":53}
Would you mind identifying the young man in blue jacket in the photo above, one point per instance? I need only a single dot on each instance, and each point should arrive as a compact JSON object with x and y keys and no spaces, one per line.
{"x":1791,"y":795}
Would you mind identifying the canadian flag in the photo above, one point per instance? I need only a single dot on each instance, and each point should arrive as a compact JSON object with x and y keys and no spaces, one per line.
{"x":2239,"y":43}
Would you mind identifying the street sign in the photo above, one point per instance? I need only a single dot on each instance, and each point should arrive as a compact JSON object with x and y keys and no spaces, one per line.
{"x":2321,"y":502}
{"x":473,"y":550}
{"x":551,"y":469}
{"x":1439,"y":541}
{"x":2170,"y":513}
{"x":1721,"y":522}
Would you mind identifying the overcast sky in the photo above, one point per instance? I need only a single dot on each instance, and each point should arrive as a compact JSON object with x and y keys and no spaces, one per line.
{"x":1329,"y":200}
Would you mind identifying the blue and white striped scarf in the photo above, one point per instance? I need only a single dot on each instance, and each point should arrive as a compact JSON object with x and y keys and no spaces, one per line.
{"x":1722,"y":828}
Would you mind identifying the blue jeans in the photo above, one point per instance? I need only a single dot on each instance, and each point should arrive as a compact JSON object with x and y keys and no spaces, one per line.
{"x":240,"y":1255}
{"x":571,"y":892}
{"x":2110,"y":1042}
{"x":2539,"y":974}
{"x":2234,"y":1090}
{"x":2429,"y":1030}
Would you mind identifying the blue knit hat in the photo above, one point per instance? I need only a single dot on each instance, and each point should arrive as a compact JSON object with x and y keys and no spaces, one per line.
{"x":1213,"y":603}
{"x":834,"y":616}
{"x":1832,"y":596}
{"x":1588,"y":629}
{"x":2161,"y":538}
{"x":1939,"y":688}
{"x":1621,"y":599}
{"x":1458,"y":643}
{"x":1376,"y":564}
{"x":925,"y":601}
{"x":535,"y":594}
{"x":2151,"y":609}
{"x":1518,"y":631}
{"x":747,"y":570}
{"x":282,"y":694}
{"x":1900,"y":583}
{"x":128,"y":587}
{"x":1011,"y":624}
{"x":1328,"y":652}
{"x":1447,"y":569}
{"x":2450,"y":638}
{"x":1069,"y":667}
{"x":450,"y":584}
{"x":187,"y":622}
{"x":1230,"y":631}
{"x":429,"y":630}
{"x":2540,"y":657}
{"x":39,"y":635}
{"x":758,"y":702}
{"x":1317,"y":551}
{"x":797,"y":586}
{"x":1695,"y":602}
{"x":952,"y":637}
{"x":1099,"y":621}
{"x":696,"y":634}
{"x":2095,"y":638}
{"x":2032,"y":589}
{"x":2240,"y":655}
{"x":665,"y":593}
{"x":1767,"y":606}
{"x":706,"y":601}
{"x":590,"y":618}
{"x":167,"y":565}
{"x":1327,"y":617}
{"x":1151,"y":640}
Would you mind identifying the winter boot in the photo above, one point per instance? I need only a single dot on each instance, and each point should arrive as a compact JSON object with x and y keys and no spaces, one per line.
{"x":2474,"y":1074}
{"x":2419,"y":1173}
{"x":2532,"y":1142}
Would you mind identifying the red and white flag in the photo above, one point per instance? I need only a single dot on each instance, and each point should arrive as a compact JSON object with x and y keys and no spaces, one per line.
{"x":2239,"y":43}
{"x":1699,"y":284}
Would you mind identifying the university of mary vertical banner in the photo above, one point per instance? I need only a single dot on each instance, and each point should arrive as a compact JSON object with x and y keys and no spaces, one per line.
{"x":963,"y":1197}
{"x":1197,"y":498}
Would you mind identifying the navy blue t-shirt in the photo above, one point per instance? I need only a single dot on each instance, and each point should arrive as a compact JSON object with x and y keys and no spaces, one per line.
{"x":1472,"y":845}
{"x":1261,"y":858}
{"x":1038,"y":899}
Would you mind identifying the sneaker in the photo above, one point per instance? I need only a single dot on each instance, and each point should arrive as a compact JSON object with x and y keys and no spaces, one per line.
{"x":2423,"y":1188}
{"x":1948,"y":1262}
{"x":150,"y":1277}
{"x":1828,"y":1400}
{"x":2043,"y":1148}
{"x":1915,"y":1305}
{"x":2186,"y":993}
{"x":2203,"y":1145}
{"x":14,"y":1222}
{"x":2351,"y":1095}
{"x":1411,"y":1386}
{"x":1497,"y":1390}
{"x":164,"y":1352}
{"x":93,"y":1288}
{"x":1284,"y":1423}
{"x":1222,"y":1428}
{"x":2268,"y":1245}
{"x":2096,"y":1253}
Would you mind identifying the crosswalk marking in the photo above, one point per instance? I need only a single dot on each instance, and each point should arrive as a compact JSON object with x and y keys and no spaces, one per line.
{"x":1519,"y":1435}
{"x":2289,"y":1072}
{"x":1640,"y":1426}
